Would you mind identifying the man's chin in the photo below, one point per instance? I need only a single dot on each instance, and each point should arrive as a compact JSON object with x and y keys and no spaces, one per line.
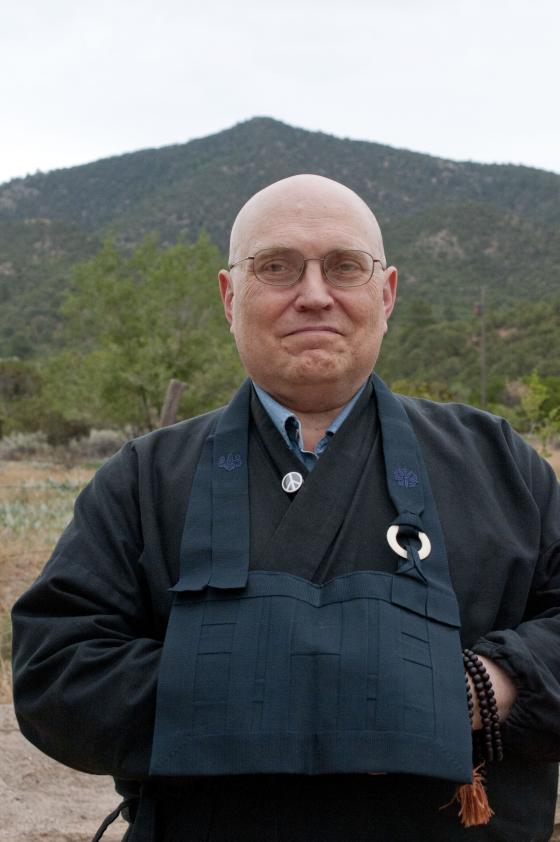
{"x":317,"y":364}
{"x":312,"y":373}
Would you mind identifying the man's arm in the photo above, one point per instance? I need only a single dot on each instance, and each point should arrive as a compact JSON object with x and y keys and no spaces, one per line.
{"x":529,"y":658}
{"x":85,"y":660}
{"x":499,"y":504}
{"x":524,"y":662}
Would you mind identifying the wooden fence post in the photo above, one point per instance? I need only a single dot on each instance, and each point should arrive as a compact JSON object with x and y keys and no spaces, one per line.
{"x":168,"y":415}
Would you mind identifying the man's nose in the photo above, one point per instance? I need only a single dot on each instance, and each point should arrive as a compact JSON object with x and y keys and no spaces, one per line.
{"x":313,"y":290}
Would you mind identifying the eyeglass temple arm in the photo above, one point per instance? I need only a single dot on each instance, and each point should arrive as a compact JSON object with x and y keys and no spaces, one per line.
{"x":237,"y":262}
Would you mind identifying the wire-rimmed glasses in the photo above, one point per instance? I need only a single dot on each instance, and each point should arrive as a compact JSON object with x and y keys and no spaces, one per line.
{"x":284,"y":267}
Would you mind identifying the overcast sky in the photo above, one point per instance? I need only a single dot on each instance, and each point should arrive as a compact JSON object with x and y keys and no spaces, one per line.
{"x":464,"y":79}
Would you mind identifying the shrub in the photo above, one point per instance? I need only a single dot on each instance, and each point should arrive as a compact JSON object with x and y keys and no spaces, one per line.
{"x":60,"y":430}
{"x":100,"y":444}
{"x":23,"y":445}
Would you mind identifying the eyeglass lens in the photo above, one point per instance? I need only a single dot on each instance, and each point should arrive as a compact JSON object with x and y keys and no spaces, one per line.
{"x":344,"y":267}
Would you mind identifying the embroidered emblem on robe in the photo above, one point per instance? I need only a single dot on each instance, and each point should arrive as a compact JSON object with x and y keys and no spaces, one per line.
{"x":405,"y":478}
{"x":230,"y":462}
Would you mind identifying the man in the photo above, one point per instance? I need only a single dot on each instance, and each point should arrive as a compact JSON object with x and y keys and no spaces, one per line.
{"x":255,"y":610}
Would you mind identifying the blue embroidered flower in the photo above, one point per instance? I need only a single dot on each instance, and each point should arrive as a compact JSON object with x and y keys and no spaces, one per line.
{"x":405,"y":477}
{"x":230,"y":462}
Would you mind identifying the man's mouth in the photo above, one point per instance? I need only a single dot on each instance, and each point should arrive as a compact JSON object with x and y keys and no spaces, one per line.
{"x":314,"y":329}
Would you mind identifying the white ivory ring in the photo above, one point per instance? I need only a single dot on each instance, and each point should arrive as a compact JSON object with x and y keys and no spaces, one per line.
{"x":425,"y":545}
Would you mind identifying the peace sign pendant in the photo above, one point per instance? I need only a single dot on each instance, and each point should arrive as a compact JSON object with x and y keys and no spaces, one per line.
{"x":292,"y":482}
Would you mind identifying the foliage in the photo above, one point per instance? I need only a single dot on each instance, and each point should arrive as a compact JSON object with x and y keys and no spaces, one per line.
{"x":539,"y":417}
{"x":91,"y":449}
{"x":423,"y":347}
{"x":133,"y":322}
{"x":21,"y":445}
{"x":132,"y":317}
{"x":20,"y":385}
{"x":35,"y":260}
{"x":25,"y":404}
{"x":449,"y":226}
{"x":532,"y":401}
{"x":180,"y":188}
{"x":17,"y":380}
{"x":431,"y":391}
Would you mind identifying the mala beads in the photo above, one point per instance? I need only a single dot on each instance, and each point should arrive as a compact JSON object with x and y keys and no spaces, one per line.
{"x":492,"y":738}
{"x":473,"y":799}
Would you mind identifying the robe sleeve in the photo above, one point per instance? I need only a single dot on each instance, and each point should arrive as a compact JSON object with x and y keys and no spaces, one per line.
{"x":530,"y":653}
{"x":85,"y":661}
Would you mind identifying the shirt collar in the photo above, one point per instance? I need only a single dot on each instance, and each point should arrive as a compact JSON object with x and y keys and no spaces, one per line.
{"x":282,"y":418}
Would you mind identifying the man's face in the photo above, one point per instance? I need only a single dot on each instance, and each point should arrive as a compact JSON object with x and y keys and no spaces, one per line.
{"x":311,"y":335}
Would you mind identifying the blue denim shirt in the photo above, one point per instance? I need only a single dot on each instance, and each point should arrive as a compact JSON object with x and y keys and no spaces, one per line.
{"x":289,"y":426}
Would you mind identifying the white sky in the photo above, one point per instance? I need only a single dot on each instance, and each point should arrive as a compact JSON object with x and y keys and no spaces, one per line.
{"x":465,"y":79}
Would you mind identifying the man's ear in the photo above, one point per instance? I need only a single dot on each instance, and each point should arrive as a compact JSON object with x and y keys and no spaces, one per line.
{"x":390,"y":290}
{"x":389,"y":293}
{"x":226,"y":291}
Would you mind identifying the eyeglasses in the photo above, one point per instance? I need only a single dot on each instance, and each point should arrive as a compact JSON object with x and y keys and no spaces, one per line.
{"x":284,"y":267}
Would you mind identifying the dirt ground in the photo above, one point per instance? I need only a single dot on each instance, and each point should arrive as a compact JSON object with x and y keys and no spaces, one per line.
{"x":41,"y":800}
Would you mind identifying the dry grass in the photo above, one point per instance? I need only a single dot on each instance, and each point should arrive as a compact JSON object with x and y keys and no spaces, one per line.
{"x":5,"y":680}
{"x":36,"y":500}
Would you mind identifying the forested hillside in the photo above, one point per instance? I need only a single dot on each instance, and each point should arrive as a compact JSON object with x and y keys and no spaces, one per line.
{"x":457,"y":231}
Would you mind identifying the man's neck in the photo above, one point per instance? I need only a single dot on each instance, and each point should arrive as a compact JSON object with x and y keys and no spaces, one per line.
{"x":316,"y":412}
{"x":315,"y":424}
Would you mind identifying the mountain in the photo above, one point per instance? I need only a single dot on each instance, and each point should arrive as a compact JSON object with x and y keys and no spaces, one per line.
{"x":450,"y":227}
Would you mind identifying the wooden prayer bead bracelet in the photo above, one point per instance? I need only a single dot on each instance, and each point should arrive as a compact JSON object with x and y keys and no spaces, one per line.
{"x":490,"y":744}
{"x":474,"y":808}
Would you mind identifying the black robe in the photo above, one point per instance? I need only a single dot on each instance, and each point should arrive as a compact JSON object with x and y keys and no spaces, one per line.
{"x":88,"y":634}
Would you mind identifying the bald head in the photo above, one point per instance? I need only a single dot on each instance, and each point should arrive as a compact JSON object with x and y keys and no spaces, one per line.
{"x":300,"y":200}
{"x":310,"y":344}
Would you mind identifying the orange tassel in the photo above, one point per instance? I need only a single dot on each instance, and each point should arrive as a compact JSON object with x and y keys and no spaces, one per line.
{"x":474,"y":807}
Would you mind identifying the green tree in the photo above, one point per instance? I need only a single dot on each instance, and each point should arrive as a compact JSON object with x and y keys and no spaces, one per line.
{"x":541,"y":410}
{"x":20,"y":395}
{"x":533,"y":399}
{"x":133,"y":322}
